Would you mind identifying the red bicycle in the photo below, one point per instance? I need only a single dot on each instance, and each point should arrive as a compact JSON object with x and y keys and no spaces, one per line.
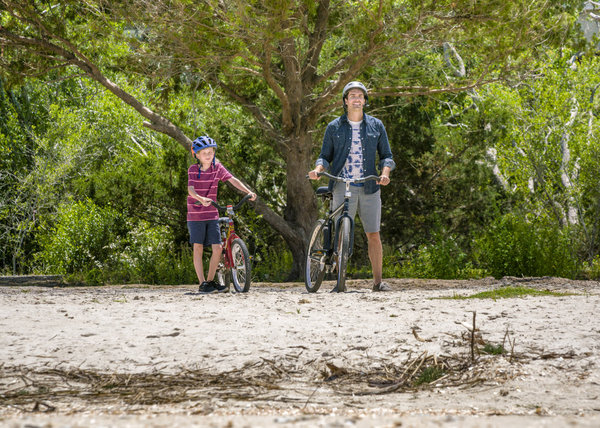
{"x":235,"y":265}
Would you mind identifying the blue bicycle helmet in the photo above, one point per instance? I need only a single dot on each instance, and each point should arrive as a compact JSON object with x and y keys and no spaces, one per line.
{"x":203,"y":143}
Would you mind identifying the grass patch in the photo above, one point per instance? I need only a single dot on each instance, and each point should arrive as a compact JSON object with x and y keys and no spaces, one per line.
{"x":493,"y":349}
{"x":430,"y":374}
{"x":510,"y":292}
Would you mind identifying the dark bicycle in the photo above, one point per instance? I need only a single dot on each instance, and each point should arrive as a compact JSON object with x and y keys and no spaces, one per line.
{"x":332,"y":238}
{"x":235,"y":265}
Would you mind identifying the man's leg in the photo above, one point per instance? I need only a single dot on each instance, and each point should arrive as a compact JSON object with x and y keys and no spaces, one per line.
{"x":376,"y":256}
{"x":370,"y":215}
{"x":198,"y":249}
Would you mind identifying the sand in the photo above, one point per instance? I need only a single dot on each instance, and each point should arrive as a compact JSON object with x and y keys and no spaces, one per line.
{"x":158,"y":356}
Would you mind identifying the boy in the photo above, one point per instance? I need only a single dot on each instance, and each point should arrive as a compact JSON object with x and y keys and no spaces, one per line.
{"x":202,"y":219}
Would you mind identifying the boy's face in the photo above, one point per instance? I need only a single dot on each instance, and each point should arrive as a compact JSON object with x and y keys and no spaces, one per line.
{"x":205,"y":156}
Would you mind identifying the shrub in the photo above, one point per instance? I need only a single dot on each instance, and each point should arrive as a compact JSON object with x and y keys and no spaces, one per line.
{"x":82,"y":239}
{"x":444,"y":258}
{"x":516,"y":246}
{"x":150,"y":257}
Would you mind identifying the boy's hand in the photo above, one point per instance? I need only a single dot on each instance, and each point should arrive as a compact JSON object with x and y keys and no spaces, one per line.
{"x":253,"y":196}
{"x":205,"y":201}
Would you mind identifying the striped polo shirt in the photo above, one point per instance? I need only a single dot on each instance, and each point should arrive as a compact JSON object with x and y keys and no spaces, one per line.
{"x":206,"y":186}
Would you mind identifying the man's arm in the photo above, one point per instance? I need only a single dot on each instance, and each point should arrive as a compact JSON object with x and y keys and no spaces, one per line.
{"x":326,"y":155}
{"x":386,"y":160}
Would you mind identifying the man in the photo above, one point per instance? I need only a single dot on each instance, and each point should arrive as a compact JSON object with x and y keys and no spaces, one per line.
{"x":350,"y":148}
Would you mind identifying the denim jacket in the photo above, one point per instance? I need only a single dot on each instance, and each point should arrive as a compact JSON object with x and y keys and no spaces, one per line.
{"x":337,"y":142}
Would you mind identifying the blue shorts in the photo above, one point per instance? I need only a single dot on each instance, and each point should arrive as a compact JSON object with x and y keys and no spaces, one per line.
{"x":205,"y":233}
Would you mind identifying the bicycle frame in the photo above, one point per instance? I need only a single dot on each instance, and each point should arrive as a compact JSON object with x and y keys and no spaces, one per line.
{"x":228,"y":236}
{"x":342,"y":209}
{"x":333,"y":247}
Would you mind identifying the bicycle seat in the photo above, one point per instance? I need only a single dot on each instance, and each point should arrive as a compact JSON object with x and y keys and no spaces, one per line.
{"x":324,"y":192}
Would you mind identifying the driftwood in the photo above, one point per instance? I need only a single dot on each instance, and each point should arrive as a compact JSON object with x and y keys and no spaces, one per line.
{"x":32,"y":280}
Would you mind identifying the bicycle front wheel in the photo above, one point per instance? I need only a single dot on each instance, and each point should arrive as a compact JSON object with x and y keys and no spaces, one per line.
{"x":241,"y":269}
{"x":343,"y":252}
{"x":316,"y":255}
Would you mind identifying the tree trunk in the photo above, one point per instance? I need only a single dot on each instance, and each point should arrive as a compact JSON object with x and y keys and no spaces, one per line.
{"x":301,"y":210}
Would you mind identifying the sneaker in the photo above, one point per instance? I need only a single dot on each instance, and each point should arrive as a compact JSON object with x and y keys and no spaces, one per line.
{"x":382,"y":286}
{"x":207,"y":287}
{"x":218,"y":287}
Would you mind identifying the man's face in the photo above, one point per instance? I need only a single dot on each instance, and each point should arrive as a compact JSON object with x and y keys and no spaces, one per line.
{"x":355,"y":99}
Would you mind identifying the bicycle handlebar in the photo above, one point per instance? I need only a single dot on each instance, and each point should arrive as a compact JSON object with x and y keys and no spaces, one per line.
{"x":348,"y":180}
{"x":235,"y":207}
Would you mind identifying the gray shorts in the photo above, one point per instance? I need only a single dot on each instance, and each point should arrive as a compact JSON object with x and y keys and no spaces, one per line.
{"x":368,"y":206}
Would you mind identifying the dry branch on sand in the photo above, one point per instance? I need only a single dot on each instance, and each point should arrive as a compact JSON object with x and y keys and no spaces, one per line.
{"x":32,"y":389}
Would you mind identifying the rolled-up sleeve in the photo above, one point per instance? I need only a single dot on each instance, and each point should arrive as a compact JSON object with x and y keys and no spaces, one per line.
{"x":384,"y":150}
{"x":326,"y":155}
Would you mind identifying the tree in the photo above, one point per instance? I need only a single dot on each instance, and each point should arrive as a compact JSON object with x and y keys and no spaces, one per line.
{"x":285,"y":62}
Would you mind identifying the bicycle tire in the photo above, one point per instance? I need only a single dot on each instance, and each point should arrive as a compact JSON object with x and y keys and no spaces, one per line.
{"x":314,"y":271}
{"x":241,"y":270}
{"x":343,"y":252}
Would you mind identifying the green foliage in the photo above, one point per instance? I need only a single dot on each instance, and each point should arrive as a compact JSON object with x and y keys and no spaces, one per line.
{"x":520,"y":246}
{"x":82,"y":238}
{"x":429,"y":374}
{"x":510,"y":292}
{"x":491,"y":349}
{"x":444,"y":258}
{"x":272,"y":264}
{"x":151,"y":257}
{"x":591,"y":270}
{"x":69,"y":140}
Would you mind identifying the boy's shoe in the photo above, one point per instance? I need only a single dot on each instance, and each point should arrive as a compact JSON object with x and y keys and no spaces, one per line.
{"x":218,"y":287}
{"x":206,"y":287}
{"x":382,"y":286}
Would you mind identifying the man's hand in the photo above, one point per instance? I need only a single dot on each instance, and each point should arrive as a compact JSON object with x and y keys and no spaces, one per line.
{"x":313,"y":174}
{"x":384,"y":180}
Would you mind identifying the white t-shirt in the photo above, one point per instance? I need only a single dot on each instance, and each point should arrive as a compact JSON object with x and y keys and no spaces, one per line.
{"x":354,"y":164}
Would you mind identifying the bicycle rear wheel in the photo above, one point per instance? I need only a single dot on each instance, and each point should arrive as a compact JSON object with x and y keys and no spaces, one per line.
{"x":343,"y":253}
{"x":241,"y":270}
{"x":316,"y":255}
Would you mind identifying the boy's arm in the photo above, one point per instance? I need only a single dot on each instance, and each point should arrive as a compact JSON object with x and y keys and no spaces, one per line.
{"x":241,"y":186}
{"x":204,"y":201}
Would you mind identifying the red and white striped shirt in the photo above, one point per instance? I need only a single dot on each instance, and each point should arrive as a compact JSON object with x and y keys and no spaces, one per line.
{"x":207,"y":186}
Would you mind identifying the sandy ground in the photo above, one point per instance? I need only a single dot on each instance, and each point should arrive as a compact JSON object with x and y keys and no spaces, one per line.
{"x":139,"y":356}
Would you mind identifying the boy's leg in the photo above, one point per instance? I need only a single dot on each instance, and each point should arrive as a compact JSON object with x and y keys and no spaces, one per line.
{"x":217,"y":249}
{"x":198,"y":249}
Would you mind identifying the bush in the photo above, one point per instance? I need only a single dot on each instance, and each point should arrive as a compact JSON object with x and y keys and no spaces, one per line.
{"x":444,"y":259}
{"x":150,"y":257}
{"x":515,"y":246}
{"x":91,"y":245}
{"x":82,"y":239}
